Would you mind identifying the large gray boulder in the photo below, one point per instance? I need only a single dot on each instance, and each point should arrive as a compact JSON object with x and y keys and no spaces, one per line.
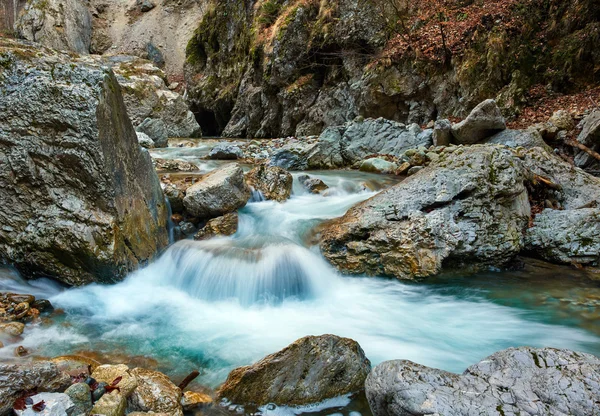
{"x":225,"y":151}
{"x":469,"y":206}
{"x":156,"y":129}
{"x":221,"y":191}
{"x":516,"y":381}
{"x":590,"y":137}
{"x":484,"y":121}
{"x":310,"y":370}
{"x":18,"y":378}
{"x":57,"y":24}
{"x":518,"y":138}
{"x":79,"y":198}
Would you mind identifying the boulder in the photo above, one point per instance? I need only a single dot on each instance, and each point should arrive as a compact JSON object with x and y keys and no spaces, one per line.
{"x":590,"y":137}
{"x":221,"y":191}
{"x":220,"y":226}
{"x":81,"y":396}
{"x":310,"y":370}
{"x":563,"y":120}
{"x":442,"y":133}
{"x":515,"y":381}
{"x":519,"y":138}
{"x":469,"y":206}
{"x":57,"y":24}
{"x":110,"y":404}
{"x":193,"y":400}
{"x":79,"y":199}
{"x":155,"y":393}
{"x":484,"y":121}
{"x":40,"y":375}
{"x":55,"y":404}
{"x":110,"y":373}
{"x":14,"y":329}
{"x":313,"y":185}
{"x":156,"y":129}
{"x":175,"y":197}
{"x":144,"y":140}
{"x":225,"y":151}
{"x":376,"y":165}
{"x":173,"y":165}
{"x":273,"y":182}
{"x":75,"y":365}
{"x":571,"y":236}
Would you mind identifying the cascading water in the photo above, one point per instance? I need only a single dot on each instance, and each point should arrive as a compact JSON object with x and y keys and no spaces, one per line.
{"x":229,"y":301}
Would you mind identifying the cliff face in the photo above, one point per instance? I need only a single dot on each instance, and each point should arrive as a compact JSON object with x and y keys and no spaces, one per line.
{"x":275,"y":68}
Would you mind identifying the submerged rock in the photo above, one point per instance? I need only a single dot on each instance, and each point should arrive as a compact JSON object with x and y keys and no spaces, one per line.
{"x":484,"y":121}
{"x":14,"y":329}
{"x":310,"y":370}
{"x":273,"y":182}
{"x":220,"y":226}
{"x":79,"y":199}
{"x":469,"y":206}
{"x":221,"y":191}
{"x":225,"y":151}
{"x":313,"y":185}
{"x":514,"y":381}
{"x":155,"y":393}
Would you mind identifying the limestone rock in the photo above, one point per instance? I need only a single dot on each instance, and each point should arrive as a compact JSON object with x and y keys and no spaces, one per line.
{"x":174,"y":165}
{"x":16,"y":378}
{"x":110,"y":373}
{"x":484,"y":121}
{"x":468,"y":206}
{"x":225,"y":151}
{"x":110,"y":404}
{"x":273,"y":182}
{"x":571,"y":236}
{"x":192,"y":400}
{"x":563,"y":120}
{"x":155,"y":393}
{"x":156,"y":129}
{"x":55,"y":404}
{"x":144,"y":140}
{"x":376,"y":165}
{"x":175,"y":197}
{"x":75,"y":365}
{"x":514,"y":381}
{"x":79,"y":199}
{"x":519,"y":138}
{"x":14,"y":329}
{"x":590,"y":137}
{"x":310,"y":370}
{"x":442,"y":133}
{"x":221,"y":191}
{"x":313,"y":185}
{"x":80,"y":395}
{"x":220,"y":226}
{"x":57,"y":24}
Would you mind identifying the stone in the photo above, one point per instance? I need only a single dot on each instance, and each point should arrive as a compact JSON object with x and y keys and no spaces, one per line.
{"x":519,"y":138}
{"x":57,"y":24}
{"x":563,"y":120}
{"x":376,"y":165}
{"x":442,"y":133}
{"x":310,"y":370}
{"x":221,"y":191}
{"x":110,"y":404}
{"x":175,"y":197}
{"x":155,"y":393}
{"x":413,"y":170}
{"x":109,"y":373}
{"x":79,"y":199}
{"x":40,"y":375}
{"x":313,"y":185}
{"x":81,"y":396}
{"x":174,"y":165}
{"x":75,"y":365}
{"x":193,"y":400}
{"x":14,"y":329}
{"x":484,"y":121}
{"x":515,"y":381}
{"x":590,"y":137}
{"x":55,"y":404}
{"x":221,"y":226}
{"x":187,"y":228}
{"x":469,"y":206}
{"x":146,"y":6}
{"x":571,"y":236}
{"x":225,"y":151}
{"x":403,"y":168}
{"x":144,"y":140}
{"x":273,"y":182}
{"x":156,"y":129}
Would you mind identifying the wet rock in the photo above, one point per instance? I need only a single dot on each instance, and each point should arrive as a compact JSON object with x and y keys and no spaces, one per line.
{"x":193,"y":400}
{"x":16,"y":378}
{"x":273,"y":182}
{"x":376,"y":165}
{"x":54,"y":404}
{"x":110,"y":404}
{"x":469,"y":204}
{"x":590,"y":137}
{"x":313,"y":185}
{"x":484,"y":121}
{"x":174,"y":165}
{"x":144,"y":140}
{"x":80,"y":395}
{"x":91,"y":177}
{"x":221,"y":191}
{"x":571,"y":236}
{"x":514,"y":381}
{"x":75,"y":365}
{"x":519,"y":138}
{"x":187,"y":228}
{"x":156,"y":129}
{"x":109,"y":373}
{"x":14,"y":329}
{"x":225,"y":151}
{"x":155,"y":393}
{"x":310,"y":370}
{"x":220,"y":226}
{"x":175,"y":197}
{"x":442,"y":133}
{"x":57,"y":24}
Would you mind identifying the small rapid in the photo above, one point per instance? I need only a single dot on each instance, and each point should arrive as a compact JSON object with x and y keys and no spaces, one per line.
{"x":229,"y":301}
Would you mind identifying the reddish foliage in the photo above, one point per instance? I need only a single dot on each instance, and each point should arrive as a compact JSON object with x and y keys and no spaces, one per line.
{"x":38,"y":407}
{"x":21,"y":402}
